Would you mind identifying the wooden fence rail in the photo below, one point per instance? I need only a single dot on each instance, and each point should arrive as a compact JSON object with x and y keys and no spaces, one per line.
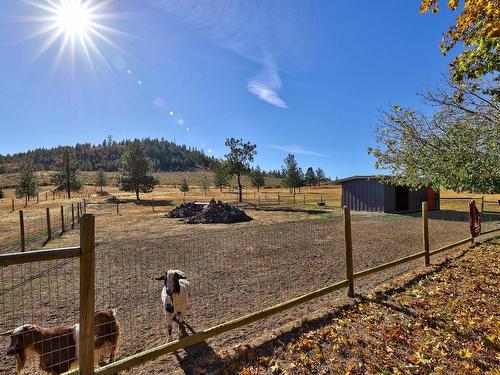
{"x":43,"y":225}
{"x":86,"y":253}
{"x":183,"y":343}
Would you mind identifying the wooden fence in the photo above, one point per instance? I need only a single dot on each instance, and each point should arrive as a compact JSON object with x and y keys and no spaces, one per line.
{"x":86,"y":254}
{"x":13,"y":204}
{"x":44,"y":228}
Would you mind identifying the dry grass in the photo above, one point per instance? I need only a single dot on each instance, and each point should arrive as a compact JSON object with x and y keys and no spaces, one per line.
{"x":442,"y":322}
{"x":235,"y":269}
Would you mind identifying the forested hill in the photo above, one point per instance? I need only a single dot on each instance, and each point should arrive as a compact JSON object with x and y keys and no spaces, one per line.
{"x":166,"y":156}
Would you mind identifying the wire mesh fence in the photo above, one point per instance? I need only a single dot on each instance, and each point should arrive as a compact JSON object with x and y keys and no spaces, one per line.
{"x":38,"y":295}
{"x":11,"y":203}
{"x":30,"y":229}
{"x":233,"y":269}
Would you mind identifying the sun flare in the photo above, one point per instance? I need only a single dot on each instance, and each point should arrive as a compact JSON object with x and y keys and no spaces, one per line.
{"x":80,"y":28}
{"x":73,"y":17}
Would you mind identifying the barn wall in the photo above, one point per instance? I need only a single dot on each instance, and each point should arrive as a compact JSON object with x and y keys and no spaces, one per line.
{"x":415,"y":199}
{"x":363,"y":195}
{"x":389,"y":198}
{"x":371,"y":195}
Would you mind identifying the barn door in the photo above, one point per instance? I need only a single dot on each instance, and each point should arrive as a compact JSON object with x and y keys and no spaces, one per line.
{"x":431,"y":198}
{"x":401,"y":198}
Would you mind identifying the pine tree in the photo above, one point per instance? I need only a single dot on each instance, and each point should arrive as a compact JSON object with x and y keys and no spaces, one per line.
{"x":221,"y":177}
{"x":310,"y":177}
{"x":136,"y":171}
{"x":320,"y":176}
{"x":184,"y":187}
{"x":101,"y":179}
{"x":292,"y":174}
{"x":67,"y":177}
{"x":257,"y":178}
{"x":205,"y":186}
{"x":28,"y":184}
{"x":240,"y":155}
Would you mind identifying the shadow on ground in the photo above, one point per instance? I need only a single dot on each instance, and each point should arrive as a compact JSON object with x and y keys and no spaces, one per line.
{"x":142,"y":202}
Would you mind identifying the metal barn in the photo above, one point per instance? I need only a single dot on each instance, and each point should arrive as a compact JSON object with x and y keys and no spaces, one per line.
{"x":368,"y":193}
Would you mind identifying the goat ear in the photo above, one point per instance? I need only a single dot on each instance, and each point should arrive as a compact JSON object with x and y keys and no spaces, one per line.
{"x":5,"y":334}
{"x":180,"y":274}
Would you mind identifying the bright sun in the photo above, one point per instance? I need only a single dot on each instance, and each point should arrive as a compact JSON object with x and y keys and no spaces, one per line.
{"x":73,"y":17}
{"x":76,"y":25}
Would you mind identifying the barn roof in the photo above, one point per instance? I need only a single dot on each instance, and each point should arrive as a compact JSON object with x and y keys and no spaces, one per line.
{"x":371,"y":177}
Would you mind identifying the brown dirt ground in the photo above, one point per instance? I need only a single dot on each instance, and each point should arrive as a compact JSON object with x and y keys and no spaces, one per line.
{"x":234,"y":269}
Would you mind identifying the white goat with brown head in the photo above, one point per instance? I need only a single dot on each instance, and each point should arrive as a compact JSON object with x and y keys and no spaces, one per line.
{"x":57,"y":347}
{"x":175,"y":298}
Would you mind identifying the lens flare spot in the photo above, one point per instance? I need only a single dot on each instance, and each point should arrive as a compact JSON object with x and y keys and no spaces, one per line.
{"x":159,"y":102}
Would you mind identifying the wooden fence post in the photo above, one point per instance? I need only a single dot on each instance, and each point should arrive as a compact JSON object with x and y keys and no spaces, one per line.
{"x":153,"y":204}
{"x":37,"y":198}
{"x":62,"y":219}
{"x":304,"y":199}
{"x":49,"y":229}
{"x":21,"y":224}
{"x":278,"y":199}
{"x":482,"y":204}
{"x":425,"y":233}
{"x":84,"y":206}
{"x":87,"y":296}
{"x":25,"y":201}
{"x":293,"y":198}
{"x":348,"y":250}
{"x":78,"y":212}
{"x":259,"y":200}
{"x":13,"y":205}
{"x":72,"y":216}
{"x":46,"y":196}
{"x":118,"y":208}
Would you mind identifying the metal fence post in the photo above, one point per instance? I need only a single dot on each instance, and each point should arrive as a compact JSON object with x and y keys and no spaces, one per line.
{"x":49,"y":229}
{"x":348,"y":250}
{"x":21,"y":224}
{"x":62,"y":219}
{"x":87,"y":296}
{"x":425,"y":233}
{"x":72,"y":216}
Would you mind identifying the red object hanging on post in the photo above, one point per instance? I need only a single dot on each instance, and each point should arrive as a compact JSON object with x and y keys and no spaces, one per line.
{"x":474,"y":219}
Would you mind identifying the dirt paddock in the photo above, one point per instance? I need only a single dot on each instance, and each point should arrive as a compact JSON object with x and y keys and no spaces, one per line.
{"x":234,"y":270}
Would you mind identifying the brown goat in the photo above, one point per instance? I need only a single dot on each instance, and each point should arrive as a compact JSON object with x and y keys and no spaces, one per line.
{"x":57,"y":347}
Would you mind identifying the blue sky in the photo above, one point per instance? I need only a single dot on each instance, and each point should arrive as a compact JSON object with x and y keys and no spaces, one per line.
{"x":305,"y":77}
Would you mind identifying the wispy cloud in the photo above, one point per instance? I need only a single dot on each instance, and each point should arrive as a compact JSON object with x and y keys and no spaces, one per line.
{"x":295,"y":149}
{"x":273,"y":33}
{"x":266,"y":84}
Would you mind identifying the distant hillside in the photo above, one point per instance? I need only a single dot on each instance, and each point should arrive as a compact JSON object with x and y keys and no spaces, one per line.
{"x":167,"y":156}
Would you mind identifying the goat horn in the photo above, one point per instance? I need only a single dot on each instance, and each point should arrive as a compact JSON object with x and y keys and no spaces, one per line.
{"x":5,"y":334}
